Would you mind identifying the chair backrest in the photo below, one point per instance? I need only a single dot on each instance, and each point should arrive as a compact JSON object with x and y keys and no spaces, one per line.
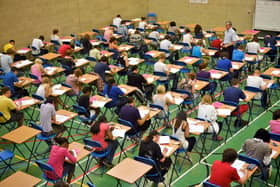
{"x":265,"y":77}
{"x":79,"y":109}
{"x":96,"y":30}
{"x":208,"y":184}
{"x":221,"y":69}
{"x":164,"y":50}
{"x":44,"y":166}
{"x":33,"y":76}
{"x":253,"y":89}
{"x":140,"y":29}
{"x":90,"y":184}
{"x":184,"y":44}
{"x":202,"y":79}
{"x":274,"y":136}
{"x":35,"y":126}
{"x":181,"y":91}
{"x":171,"y":33}
{"x":35,"y":96}
{"x":230,"y":103}
{"x":125,"y":122}
{"x":249,"y":160}
{"x":66,"y":85}
{"x":160,"y":74}
{"x":91,"y":59}
{"x":156,"y":106}
{"x":179,"y":63}
{"x":55,"y":42}
{"x":92,"y":143}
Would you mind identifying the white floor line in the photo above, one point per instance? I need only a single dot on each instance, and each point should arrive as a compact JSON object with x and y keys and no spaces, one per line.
{"x":186,"y":172}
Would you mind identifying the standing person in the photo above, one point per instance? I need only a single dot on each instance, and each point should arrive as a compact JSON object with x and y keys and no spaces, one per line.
{"x":230,"y":38}
{"x":55,"y":36}
{"x":86,"y":45}
{"x":10,"y":45}
{"x":117,"y":20}
{"x":222,"y":173}
{"x":62,"y":160}
{"x":38,"y":45}
{"x":270,"y":41}
{"x":258,"y":148}
{"x":102,"y":133}
{"x":208,"y":112}
{"x":181,"y":130}
{"x":11,"y":112}
{"x":37,"y":69}
{"x":149,"y":148}
{"x":6,"y":61}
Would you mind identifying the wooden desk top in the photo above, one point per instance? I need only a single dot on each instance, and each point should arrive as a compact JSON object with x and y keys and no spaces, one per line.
{"x":154,"y":53}
{"x":163,"y":22}
{"x":250,"y":32}
{"x":106,"y":53}
{"x":278,"y":43}
{"x":211,"y":52}
{"x":79,"y":148}
{"x":275,"y":149}
{"x":150,"y":78}
{"x":189,"y":60}
{"x":152,"y":111}
{"x":24,"y":81}
{"x":26,"y":102}
{"x":119,"y":126}
{"x":50,"y":56}
{"x":51,"y":71}
{"x":249,"y":95}
{"x":105,"y":28}
{"x":22,"y":64}
{"x":135,"y":61}
{"x":199,"y":85}
{"x":219,"y":29}
{"x":123,"y":170}
{"x":88,"y":78}
{"x":81,"y":62}
{"x":95,"y":42}
{"x":173,"y":68}
{"x":244,"y":166}
{"x":115,"y":69}
{"x":20,"y":134}
{"x":58,"y":90}
{"x":237,"y":65}
{"x":117,"y":36}
{"x":98,"y":101}
{"x":20,"y":179}
{"x":217,"y":74}
{"x":23,"y":51}
{"x":125,"y":47}
{"x":197,"y":122}
{"x":250,"y":57}
{"x":90,"y":33}
{"x":127,"y":89}
{"x":272,"y":72}
{"x":67,"y":39}
{"x":176,"y":47}
{"x":66,"y":116}
{"x":177,"y":97}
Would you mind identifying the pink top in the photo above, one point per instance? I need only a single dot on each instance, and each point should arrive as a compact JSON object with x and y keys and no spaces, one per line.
{"x":35,"y":71}
{"x":274,"y":126}
{"x":108,"y":34}
{"x":56,"y":160}
{"x":100,"y":137}
{"x":72,"y":80}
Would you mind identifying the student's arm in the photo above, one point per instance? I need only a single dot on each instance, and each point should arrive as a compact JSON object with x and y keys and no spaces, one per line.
{"x":243,"y":96}
{"x":48,"y":91}
{"x":53,"y":114}
{"x":244,"y":178}
{"x":186,"y":128}
{"x":109,"y":133}
{"x":70,"y":156}
{"x":230,"y":67}
{"x":205,"y":51}
{"x":140,"y":120}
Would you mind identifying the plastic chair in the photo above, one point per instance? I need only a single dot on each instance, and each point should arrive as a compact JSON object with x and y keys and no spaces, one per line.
{"x":163,"y":115}
{"x":7,"y":125}
{"x":208,"y":184}
{"x":83,"y":116}
{"x":161,"y":82}
{"x":48,"y":168}
{"x":6,"y":157}
{"x":96,"y":30}
{"x":90,"y":184}
{"x":189,"y":100}
{"x":275,"y":137}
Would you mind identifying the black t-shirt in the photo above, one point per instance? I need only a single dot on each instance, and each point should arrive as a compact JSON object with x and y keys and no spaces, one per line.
{"x":84,"y":102}
{"x":137,"y":80}
{"x":151,"y":150}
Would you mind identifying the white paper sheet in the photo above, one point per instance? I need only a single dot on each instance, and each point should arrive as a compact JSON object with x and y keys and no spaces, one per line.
{"x":123,"y":90}
{"x":178,"y":100}
{"x":196,"y":128}
{"x":174,"y":70}
{"x":273,"y":153}
{"x":211,"y":53}
{"x":22,"y":51}
{"x":118,"y":133}
{"x":215,"y":75}
{"x":58,"y":92}
{"x":249,"y":58}
{"x":81,"y":61}
{"x":162,"y":147}
{"x":150,"y":79}
{"x":61,"y":118}
{"x":275,"y":72}
{"x":187,"y":60}
{"x":57,"y":86}
{"x":223,"y":112}
{"x":134,"y":62}
{"x":191,"y":121}
{"x":164,"y":140}
{"x":27,"y":102}
{"x":238,"y":164}
{"x":97,"y":103}
{"x":144,"y":112}
{"x":234,"y":66}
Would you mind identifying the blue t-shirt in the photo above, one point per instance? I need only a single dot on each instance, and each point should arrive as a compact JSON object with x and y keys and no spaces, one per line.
{"x":224,"y":63}
{"x":100,"y":69}
{"x":238,"y":55}
{"x":9,"y":80}
{"x":196,"y":51}
{"x":233,"y":94}
{"x":114,"y":94}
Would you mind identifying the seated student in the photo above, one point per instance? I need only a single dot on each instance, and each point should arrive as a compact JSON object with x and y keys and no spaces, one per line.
{"x":165,"y":43}
{"x":37,"y":69}
{"x":63,"y":48}
{"x":108,"y":34}
{"x":95,"y":52}
{"x":102,"y":133}
{"x":136,"y":39}
{"x":112,"y":91}
{"x":134,"y":78}
{"x":62,"y":160}
{"x":101,"y":67}
{"x":130,"y":113}
{"x":122,"y":29}
{"x":10,"y":45}
{"x":204,"y":74}
{"x":155,"y":35}
{"x":142,"y":24}
{"x":222,"y":173}
{"x":117,"y":20}
{"x":181,"y":130}
{"x":55,"y":36}
{"x":208,"y":112}
{"x":85,"y":44}
{"x":11,"y":112}
{"x":188,"y":38}
{"x":254,"y":80}
{"x":224,"y":63}
{"x":253,"y":46}
{"x":173,"y":28}
{"x":197,"y":50}
{"x":73,"y":81}
{"x":44,"y":90}
{"x":275,"y":122}
{"x":271,"y":42}
{"x":238,"y":53}
{"x":258,"y":148}
{"x":198,"y":32}
{"x":123,"y":61}
{"x":150,"y":148}
{"x":84,"y":101}
{"x":47,"y":117}
{"x":188,"y":84}
{"x":233,"y":94}
{"x":68,"y":61}
{"x":6,"y":61}
{"x":38,"y":44}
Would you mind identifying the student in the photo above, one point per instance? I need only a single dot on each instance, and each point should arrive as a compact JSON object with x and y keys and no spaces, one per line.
{"x":55,"y":36}
{"x":253,"y":46}
{"x":6,"y":61}
{"x":136,"y":39}
{"x":73,"y":81}
{"x":95,"y":52}
{"x":222,"y":173}
{"x":160,"y":66}
{"x":113,"y":43}
{"x":198,"y":33}
{"x":224,"y":63}
{"x":68,"y":61}
{"x":37,"y":69}
{"x":150,"y":148}
{"x":44,"y":90}
{"x":198,"y":50}
{"x":62,"y":160}
{"x":155,"y":35}
{"x":84,"y":101}
{"x":63,"y":48}
{"x":275,"y":122}
{"x":188,"y":38}
{"x":208,"y":112}
{"x":122,"y":29}
{"x":181,"y":130}
{"x":256,"y":81}
{"x":123,"y":61}
{"x":38,"y":44}
{"x":165,"y":43}
{"x":142,"y":24}
{"x":11,"y":112}
{"x":258,"y":148}
{"x":233,"y":94}
{"x":108,"y":34}
{"x":10,"y":79}
{"x":230,"y":38}
{"x":238,"y":53}
{"x":101,"y":67}
{"x":10,"y":45}
{"x":271,"y":42}
{"x":86,"y":45}
{"x":130,"y":113}
{"x":117,"y":20}
{"x":204,"y":74}
{"x":188,"y":83}
{"x":102,"y":133}
{"x":173,"y":28}
{"x":48,"y":116}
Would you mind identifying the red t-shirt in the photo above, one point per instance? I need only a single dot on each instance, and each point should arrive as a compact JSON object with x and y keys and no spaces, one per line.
{"x":216,"y":43}
{"x":100,"y":137}
{"x":222,"y":174}
{"x":63,"y":48}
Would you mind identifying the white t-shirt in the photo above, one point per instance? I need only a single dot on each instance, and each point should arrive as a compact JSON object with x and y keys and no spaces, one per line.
{"x":161,"y":67}
{"x":37,"y":43}
{"x":165,"y":44}
{"x":117,"y":21}
{"x":256,"y":82}
{"x":56,"y":38}
{"x":253,"y":47}
{"x":208,"y":112}
{"x":142,"y":24}
{"x":187,"y":38}
{"x":154,"y":34}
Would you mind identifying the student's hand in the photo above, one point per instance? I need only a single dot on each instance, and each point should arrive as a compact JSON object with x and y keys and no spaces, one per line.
{"x":164,"y":151}
{"x":147,"y":116}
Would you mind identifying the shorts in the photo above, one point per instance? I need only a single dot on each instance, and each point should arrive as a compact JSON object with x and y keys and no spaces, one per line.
{"x":15,"y":116}
{"x":242,"y":109}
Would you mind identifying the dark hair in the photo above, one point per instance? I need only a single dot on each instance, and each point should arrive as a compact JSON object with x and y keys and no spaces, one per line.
{"x":123,"y":22}
{"x":263,"y":135}
{"x":41,"y":37}
{"x":86,"y":89}
{"x":95,"y":127}
{"x":167,"y":37}
{"x":61,"y":184}
{"x":10,"y":51}
{"x":151,"y":135}
{"x":104,"y":59}
{"x":55,"y":31}
{"x":61,"y":140}
{"x":112,"y":39}
{"x":197,"y":29}
{"x":172,"y":23}
{"x":110,"y":83}
{"x":133,"y":68}
{"x":276,"y":114}
{"x":203,"y":65}
{"x":187,"y":30}
{"x":229,"y":155}
{"x":130,"y":100}
{"x":118,"y":16}
{"x":12,"y":41}
{"x":13,"y":69}
{"x":49,"y":99}
{"x":255,"y":39}
{"x":181,"y":116}
{"x":224,"y":54}
{"x":5,"y":89}
{"x":234,"y":82}
{"x":143,"y":18}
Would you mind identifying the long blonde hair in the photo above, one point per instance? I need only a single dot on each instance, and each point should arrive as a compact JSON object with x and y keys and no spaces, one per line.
{"x":206,"y":99}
